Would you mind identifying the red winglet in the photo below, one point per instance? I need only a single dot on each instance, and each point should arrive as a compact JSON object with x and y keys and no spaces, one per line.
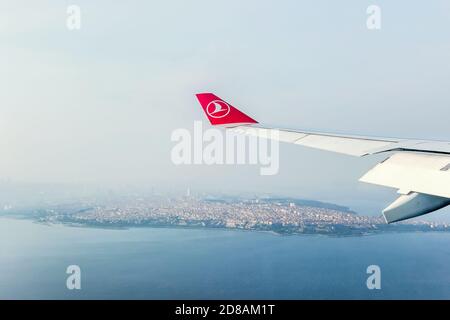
{"x":220,"y":112}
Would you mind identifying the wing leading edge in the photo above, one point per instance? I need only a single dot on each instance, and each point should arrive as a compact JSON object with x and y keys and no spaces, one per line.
{"x":419,"y":169}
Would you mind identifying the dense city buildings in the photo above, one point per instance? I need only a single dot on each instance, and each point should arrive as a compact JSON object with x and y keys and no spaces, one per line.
{"x":280,"y":215}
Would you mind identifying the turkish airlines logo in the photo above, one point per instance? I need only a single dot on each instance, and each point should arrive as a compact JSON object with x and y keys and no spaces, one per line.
{"x":217,"y":109}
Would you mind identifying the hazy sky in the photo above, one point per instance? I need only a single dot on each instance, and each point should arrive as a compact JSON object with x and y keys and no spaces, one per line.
{"x":98,"y":105}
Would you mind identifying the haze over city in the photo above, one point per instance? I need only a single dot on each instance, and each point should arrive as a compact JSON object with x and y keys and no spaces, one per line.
{"x":109,"y":189}
{"x":97,"y":106}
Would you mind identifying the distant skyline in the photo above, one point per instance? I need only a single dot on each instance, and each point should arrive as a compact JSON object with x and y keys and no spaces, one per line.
{"x":97,"y":106}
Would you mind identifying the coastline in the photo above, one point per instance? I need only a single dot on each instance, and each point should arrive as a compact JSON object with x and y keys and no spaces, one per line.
{"x":129,"y":226}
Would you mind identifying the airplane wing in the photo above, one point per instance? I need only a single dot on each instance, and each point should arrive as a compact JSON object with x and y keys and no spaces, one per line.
{"x":419,"y":169}
{"x":350,"y":145}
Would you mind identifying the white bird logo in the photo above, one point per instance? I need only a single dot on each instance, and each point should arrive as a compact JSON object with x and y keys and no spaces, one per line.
{"x":218,"y":109}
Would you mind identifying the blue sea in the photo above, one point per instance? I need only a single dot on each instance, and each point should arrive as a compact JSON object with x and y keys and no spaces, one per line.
{"x":171,"y":263}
